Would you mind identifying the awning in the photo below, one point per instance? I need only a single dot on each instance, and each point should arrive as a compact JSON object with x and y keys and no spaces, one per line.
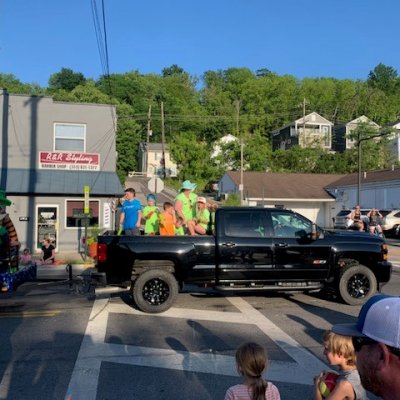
{"x":48,"y":182}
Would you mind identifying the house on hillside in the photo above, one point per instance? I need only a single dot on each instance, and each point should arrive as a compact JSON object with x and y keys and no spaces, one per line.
{"x":378,"y":189}
{"x":151,"y":160}
{"x":50,"y":152}
{"x":341,"y":132}
{"x":394,"y":142}
{"x":312,"y":131}
{"x":304,"y":193}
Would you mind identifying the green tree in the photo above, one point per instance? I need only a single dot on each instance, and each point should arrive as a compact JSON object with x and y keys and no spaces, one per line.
{"x":66,"y":80}
{"x":384,"y":78}
{"x":193,"y":159}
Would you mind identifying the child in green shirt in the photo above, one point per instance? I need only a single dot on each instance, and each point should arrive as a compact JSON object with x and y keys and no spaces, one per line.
{"x":179,"y":228}
{"x":150,"y":214}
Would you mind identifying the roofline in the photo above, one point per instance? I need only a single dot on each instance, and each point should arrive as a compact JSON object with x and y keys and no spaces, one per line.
{"x":289,"y":199}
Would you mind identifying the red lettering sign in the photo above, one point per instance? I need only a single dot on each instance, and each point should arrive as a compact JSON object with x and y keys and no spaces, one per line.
{"x":69,"y":160}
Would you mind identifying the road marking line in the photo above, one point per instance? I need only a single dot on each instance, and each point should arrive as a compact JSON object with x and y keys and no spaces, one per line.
{"x":311,"y":364}
{"x":93,"y":351}
{"x":29,"y":314}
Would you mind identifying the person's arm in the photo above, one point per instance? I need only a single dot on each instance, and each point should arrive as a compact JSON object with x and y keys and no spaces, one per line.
{"x":122,"y":219}
{"x":178,"y":209}
{"x":53,"y":254}
{"x":139,"y":221}
{"x":343,"y":390}
{"x":317,"y":381}
{"x":369,"y":214}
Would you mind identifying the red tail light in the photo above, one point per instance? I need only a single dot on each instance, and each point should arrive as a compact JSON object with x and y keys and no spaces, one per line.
{"x":101,"y":252}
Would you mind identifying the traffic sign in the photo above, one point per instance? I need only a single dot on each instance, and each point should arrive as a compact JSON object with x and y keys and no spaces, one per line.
{"x":155,"y":185}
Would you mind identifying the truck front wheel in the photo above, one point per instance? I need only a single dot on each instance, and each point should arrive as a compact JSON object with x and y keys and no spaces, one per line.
{"x":357,"y":284}
{"x":154,"y":291}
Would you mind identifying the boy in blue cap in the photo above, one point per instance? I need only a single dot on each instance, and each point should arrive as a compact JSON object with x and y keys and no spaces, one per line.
{"x":150,"y":214}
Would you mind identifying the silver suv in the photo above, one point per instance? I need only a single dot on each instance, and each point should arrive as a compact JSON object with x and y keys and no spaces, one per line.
{"x":391,"y":222}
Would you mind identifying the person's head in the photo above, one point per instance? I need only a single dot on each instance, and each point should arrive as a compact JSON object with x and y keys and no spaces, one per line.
{"x":357,"y":208}
{"x":201,"y":202}
{"x":130,"y":193}
{"x":26,"y":252}
{"x":376,"y":340}
{"x":251,"y":361}
{"x":151,"y":199}
{"x":187,"y":186}
{"x":168,"y":207}
{"x":179,"y":221}
{"x":338,"y":348}
{"x":46,"y":242}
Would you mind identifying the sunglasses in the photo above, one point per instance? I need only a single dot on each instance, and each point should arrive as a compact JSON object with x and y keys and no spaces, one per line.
{"x":359,"y":342}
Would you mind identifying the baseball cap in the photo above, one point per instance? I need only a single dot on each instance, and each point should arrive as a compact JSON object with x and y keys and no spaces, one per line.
{"x":201,"y":200}
{"x":379,"y":319}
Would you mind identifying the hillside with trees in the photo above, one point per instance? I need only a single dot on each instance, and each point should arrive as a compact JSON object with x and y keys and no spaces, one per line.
{"x":236,"y":101}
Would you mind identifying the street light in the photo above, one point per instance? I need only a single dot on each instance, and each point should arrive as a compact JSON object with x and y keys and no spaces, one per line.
{"x":359,"y":141}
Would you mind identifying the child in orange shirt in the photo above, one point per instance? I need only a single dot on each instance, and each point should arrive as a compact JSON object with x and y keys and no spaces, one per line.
{"x":167,"y":220}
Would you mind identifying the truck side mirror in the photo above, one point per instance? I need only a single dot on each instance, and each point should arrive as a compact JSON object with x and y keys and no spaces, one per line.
{"x":314,"y":232}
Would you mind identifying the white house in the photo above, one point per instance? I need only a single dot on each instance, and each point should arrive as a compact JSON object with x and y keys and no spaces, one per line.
{"x":304,"y":193}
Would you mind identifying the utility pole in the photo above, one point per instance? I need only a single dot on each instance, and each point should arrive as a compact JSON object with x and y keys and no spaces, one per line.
{"x":304,"y":121}
{"x":237,"y":102}
{"x":149,"y":133}
{"x":163,"y":139}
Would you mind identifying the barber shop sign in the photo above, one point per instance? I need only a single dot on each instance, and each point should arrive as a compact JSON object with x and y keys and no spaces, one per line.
{"x":71,"y":161}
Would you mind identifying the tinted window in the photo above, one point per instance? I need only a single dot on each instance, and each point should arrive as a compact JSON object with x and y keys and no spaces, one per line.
{"x":343,"y":213}
{"x":290,"y":225}
{"x":397,"y":215}
{"x":245,"y":223}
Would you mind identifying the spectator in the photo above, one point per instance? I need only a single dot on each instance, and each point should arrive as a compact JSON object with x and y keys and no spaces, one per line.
{"x":355,"y":216}
{"x":48,"y":253}
{"x":251,"y":361}
{"x":185,"y":204}
{"x":26,"y":257}
{"x":374,"y":218}
{"x":131,"y":213}
{"x":339,"y":351}
{"x":376,"y":340}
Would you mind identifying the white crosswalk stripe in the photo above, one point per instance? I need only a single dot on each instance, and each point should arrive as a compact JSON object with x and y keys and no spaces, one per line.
{"x":94,"y":350}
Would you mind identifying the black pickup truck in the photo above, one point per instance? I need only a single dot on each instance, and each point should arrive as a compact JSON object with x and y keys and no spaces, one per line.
{"x":252,"y":249}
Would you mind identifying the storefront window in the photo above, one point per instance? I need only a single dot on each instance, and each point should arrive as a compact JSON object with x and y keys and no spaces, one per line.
{"x":75,"y":211}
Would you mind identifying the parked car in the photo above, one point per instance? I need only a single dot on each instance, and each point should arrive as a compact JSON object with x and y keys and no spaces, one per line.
{"x":341,"y":220}
{"x":391,"y":222}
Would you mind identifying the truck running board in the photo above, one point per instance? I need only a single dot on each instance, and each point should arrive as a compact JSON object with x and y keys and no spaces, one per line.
{"x":283,"y":287}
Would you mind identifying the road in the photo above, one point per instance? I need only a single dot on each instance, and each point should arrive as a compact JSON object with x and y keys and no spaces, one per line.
{"x":58,"y":344}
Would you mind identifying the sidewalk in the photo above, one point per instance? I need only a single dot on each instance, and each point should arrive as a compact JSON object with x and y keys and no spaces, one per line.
{"x":59,"y":270}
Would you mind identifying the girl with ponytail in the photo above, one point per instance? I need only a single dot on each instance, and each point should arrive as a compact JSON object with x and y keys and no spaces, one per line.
{"x":251,"y":362}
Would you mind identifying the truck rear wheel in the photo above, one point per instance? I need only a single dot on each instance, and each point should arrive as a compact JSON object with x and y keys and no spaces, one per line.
{"x":154,"y":291}
{"x":357,"y":284}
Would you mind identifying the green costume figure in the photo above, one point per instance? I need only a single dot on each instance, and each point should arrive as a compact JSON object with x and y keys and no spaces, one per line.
{"x":9,"y":244}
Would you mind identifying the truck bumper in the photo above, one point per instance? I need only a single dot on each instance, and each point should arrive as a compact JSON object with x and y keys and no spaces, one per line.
{"x":383,"y":272}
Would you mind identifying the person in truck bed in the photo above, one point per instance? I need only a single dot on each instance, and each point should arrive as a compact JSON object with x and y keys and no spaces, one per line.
{"x":199,"y":224}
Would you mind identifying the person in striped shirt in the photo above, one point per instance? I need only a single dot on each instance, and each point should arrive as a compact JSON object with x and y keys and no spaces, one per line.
{"x":251,"y":362}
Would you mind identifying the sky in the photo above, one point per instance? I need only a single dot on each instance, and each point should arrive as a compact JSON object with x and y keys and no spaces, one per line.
{"x":344,"y":39}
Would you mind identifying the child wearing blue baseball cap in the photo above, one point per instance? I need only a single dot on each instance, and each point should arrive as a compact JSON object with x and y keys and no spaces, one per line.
{"x":150,"y":214}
